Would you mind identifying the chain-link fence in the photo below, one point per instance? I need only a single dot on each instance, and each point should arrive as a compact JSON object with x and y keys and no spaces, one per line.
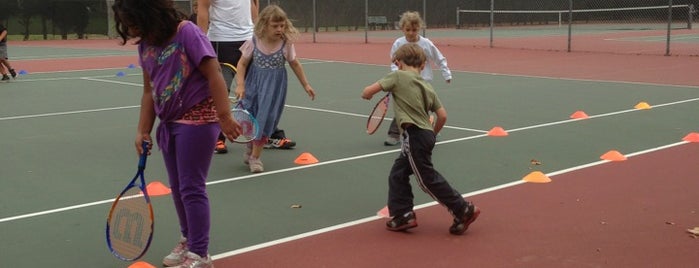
{"x":615,"y":26}
{"x":631,"y":27}
{"x":63,"y":19}
{"x":660,"y":27}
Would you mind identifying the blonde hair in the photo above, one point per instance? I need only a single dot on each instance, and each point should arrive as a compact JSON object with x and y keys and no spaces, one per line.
{"x":410,"y":54}
{"x":274,"y":13}
{"x":410,"y":18}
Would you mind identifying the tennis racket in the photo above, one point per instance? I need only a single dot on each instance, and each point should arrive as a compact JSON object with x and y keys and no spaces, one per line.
{"x":377,"y":114}
{"x":130,"y":220}
{"x":247,"y":122}
{"x":229,"y":71}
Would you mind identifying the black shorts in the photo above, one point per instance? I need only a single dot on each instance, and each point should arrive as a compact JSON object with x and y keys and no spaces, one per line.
{"x":228,"y":52}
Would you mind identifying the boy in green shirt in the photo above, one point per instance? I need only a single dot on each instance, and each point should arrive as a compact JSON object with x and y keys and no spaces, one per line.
{"x":414,"y":98}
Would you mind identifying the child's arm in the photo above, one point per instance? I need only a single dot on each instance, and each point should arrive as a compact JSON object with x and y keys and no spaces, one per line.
{"x":441,"y":120}
{"x":394,"y":47}
{"x":298,"y":70}
{"x":441,"y":61}
{"x":240,"y":77}
{"x":370,"y":90}
{"x":211,"y":69}
{"x":147,"y":115}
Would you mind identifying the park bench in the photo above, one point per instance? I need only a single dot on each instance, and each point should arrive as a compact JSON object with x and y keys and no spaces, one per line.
{"x":378,"y":22}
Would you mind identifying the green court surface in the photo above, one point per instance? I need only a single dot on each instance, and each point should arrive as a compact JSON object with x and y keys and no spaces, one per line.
{"x":67,"y":149}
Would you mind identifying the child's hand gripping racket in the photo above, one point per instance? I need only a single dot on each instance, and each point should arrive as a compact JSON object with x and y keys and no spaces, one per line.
{"x":247,"y":122}
{"x":377,"y":114}
{"x":130,"y":220}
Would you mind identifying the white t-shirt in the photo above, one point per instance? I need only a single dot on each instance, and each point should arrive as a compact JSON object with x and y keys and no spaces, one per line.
{"x":230,"y":21}
{"x":434,"y":56}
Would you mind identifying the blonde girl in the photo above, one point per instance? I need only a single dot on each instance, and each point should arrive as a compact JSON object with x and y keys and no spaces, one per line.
{"x":262,"y":88}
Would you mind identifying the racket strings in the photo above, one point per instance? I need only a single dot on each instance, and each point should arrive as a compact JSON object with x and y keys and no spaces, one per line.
{"x":376,"y":117}
{"x":130,"y":223}
{"x":247,"y":123}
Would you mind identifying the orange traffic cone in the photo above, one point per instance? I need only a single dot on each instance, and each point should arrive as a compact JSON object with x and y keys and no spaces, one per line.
{"x":383,"y":213}
{"x":642,"y":106}
{"x":579,"y":115}
{"x":536,"y":177}
{"x":141,"y":264}
{"x":497,"y":132}
{"x":157,"y":188}
{"x":306,"y":159}
{"x":613,"y":156}
{"x":691,"y":137}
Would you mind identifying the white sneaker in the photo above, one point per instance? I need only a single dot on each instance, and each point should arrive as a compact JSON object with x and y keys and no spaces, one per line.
{"x":391,"y":141}
{"x":255,"y":164}
{"x":177,"y":255}
{"x":192,"y":260}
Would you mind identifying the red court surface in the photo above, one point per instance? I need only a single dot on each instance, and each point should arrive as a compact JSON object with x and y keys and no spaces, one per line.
{"x":671,"y":70}
{"x":633,"y":213}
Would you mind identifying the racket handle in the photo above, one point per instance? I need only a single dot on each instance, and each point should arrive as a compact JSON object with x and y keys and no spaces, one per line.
{"x":144,"y":155}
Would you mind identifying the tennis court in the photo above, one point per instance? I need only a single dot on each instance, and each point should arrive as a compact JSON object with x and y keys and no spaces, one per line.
{"x":68,"y":126}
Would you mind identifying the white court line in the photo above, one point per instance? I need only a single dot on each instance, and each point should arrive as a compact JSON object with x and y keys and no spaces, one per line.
{"x":433,"y":203}
{"x":313,"y":165}
{"x":93,"y":78}
{"x":365,"y":116}
{"x":7,"y":219}
{"x":66,"y":113}
{"x":318,"y":61}
{"x":654,"y":38}
{"x":531,"y":76}
{"x":111,"y":81}
{"x":74,"y":56}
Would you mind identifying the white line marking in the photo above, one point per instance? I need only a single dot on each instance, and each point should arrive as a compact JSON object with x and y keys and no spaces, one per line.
{"x":66,"y":113}
{"x":365,"y":116}
{"x":533,"y":76}
{"x":433,"y":203}
{"x":75,"y":56}
{"x":352,"y":223}
{"x":111,"y":81}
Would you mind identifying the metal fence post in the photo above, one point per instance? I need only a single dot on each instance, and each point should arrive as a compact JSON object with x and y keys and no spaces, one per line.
{"x":492,"y":20}
{"x":669,"y":27}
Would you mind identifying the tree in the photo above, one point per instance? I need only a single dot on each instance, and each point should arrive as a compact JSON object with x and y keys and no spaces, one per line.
{"x":68,"y":16}
{"x":27,"y":9}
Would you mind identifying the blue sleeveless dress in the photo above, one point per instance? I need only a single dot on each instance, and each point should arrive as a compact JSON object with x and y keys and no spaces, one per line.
{"x":265,"y":88}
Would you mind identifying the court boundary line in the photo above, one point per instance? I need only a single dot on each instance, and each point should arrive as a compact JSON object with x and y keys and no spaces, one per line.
{"x":317,"y":61}
{"x":75,"y":56}
{"x":365,"y":116}
{"x":426,"y":205}
{"x":51,"y":211}
{"x":527,"y":76}
{"x":66,"y":113}
{"x":97,"y":79}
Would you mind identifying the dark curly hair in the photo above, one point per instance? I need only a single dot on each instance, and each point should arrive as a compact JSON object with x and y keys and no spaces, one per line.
{"x":154,"y":21}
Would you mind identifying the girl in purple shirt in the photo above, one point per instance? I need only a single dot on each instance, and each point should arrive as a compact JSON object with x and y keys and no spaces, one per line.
{"x":184,"y":88}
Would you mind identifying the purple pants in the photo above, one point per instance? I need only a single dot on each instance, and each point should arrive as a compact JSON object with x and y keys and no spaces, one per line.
{"x":187,"y":162}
